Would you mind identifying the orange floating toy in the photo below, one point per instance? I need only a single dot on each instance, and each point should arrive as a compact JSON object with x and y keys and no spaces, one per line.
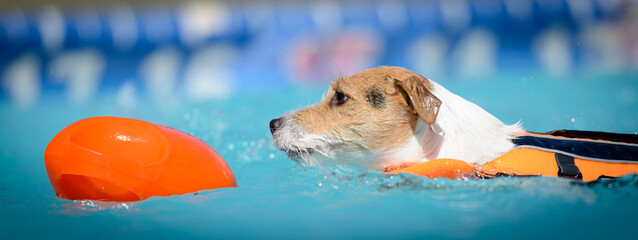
{"x":121,"y":159}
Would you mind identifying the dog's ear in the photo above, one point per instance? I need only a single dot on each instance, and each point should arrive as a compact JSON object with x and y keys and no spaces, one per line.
{"x":422,"y":101}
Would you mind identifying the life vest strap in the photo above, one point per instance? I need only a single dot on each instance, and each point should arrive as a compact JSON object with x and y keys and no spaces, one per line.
{"x":566,"y":166}
{"x":596,"y":150}
{"x":605,"y":136}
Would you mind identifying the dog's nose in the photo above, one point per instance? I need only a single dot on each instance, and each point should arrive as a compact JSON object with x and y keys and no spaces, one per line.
{"x":274,"y":124}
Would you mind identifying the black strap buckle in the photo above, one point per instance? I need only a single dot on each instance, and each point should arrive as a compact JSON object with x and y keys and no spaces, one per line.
{"x":566,"y":166}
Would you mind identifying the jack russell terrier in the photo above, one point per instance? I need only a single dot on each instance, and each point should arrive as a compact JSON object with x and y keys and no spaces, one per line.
{"x":388,"y":118}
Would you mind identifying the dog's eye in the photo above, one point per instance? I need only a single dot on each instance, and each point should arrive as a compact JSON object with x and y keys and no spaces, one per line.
{"x":339,"y":98}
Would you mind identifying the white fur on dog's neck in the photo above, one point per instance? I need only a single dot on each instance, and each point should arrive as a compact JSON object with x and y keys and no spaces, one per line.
{"x":462,"y":131}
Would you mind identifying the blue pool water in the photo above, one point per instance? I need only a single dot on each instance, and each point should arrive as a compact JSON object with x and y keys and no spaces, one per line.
{"x":278,"y":199}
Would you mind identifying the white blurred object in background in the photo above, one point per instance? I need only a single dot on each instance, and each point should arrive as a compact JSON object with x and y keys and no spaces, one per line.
{"x":475,"y":55}
{"x":160,"y":71}
{"x":21,"y":80}
{"x":52,"y":28}
{"x":201,"y":20}
{"x":428,"y":55}
{"x":123,"y":26}
{"x":209,"y":73}
{"x":81,"y":71}
{"x":552,"y":48}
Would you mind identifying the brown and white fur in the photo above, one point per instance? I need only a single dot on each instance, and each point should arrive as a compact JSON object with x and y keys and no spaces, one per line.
{"x":387,"y":117}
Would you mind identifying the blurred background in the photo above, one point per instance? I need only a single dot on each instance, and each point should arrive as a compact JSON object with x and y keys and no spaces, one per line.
{"x":221,"y":70}
{"x":171,"y":52}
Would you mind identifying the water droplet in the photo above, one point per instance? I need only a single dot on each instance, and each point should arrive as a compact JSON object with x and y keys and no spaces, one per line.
{"x":271,"y":156}
{"x":573,"y":120}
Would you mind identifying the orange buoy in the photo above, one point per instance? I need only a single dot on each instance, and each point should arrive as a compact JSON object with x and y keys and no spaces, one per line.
{"x":122,"y":159}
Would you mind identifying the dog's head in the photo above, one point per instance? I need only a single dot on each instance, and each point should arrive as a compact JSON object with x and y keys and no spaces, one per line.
{"x":361,"y":121}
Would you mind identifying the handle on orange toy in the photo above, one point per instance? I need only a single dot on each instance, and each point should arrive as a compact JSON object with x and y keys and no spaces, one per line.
{"x":446,"y":168}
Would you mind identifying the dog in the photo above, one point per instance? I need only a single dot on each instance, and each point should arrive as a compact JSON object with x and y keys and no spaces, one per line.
{"x":387,"y":118}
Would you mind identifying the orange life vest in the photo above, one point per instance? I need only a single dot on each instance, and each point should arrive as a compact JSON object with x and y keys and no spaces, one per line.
{"x":584,"y":155}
